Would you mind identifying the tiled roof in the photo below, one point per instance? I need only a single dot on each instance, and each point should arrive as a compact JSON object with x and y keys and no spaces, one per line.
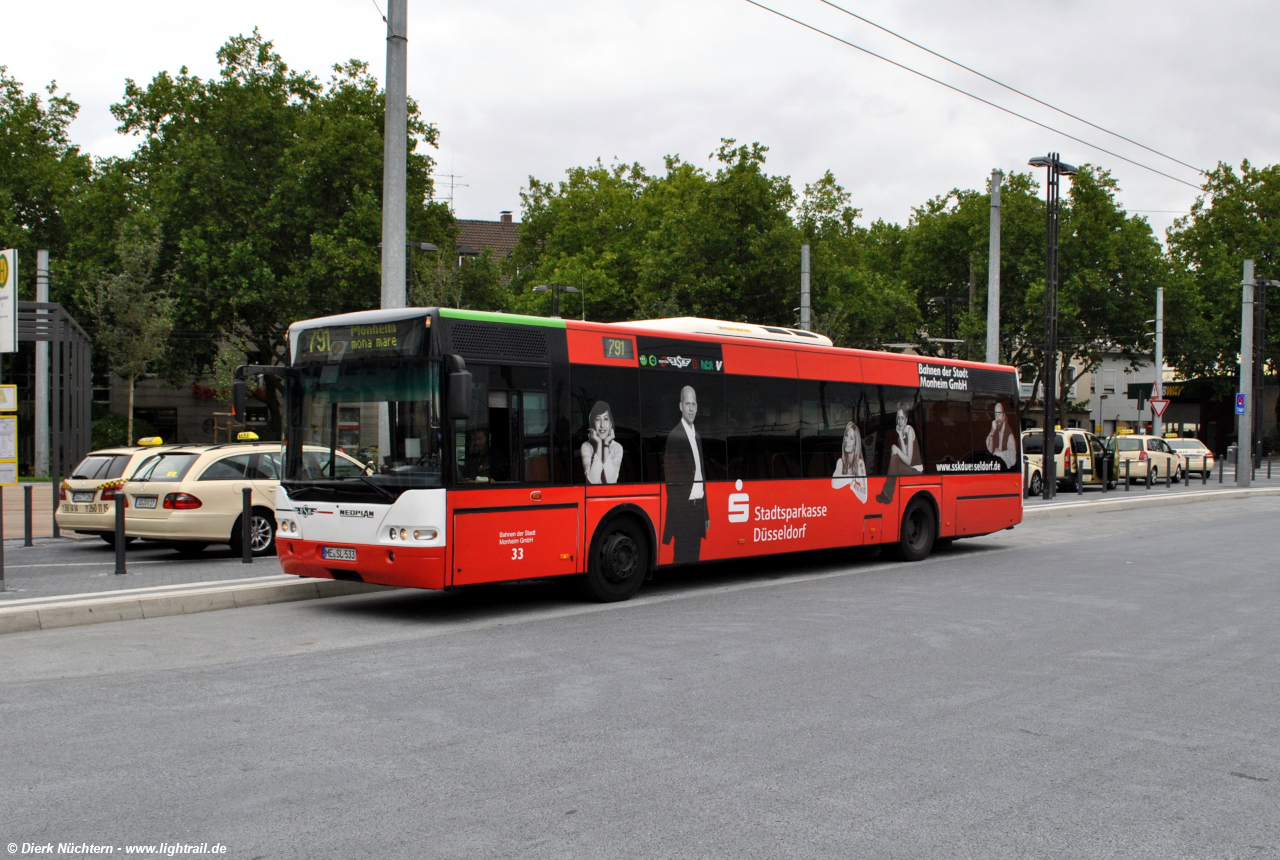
{"x":500,"y":236}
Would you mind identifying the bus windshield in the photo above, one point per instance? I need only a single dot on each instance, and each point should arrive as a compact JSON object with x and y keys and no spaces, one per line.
{"x":385,"y":414}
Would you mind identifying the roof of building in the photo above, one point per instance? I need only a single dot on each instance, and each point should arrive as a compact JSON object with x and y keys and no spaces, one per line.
{"x":499,"y":236}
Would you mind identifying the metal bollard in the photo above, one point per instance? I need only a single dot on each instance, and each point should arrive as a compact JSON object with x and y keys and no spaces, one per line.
{"x":1186,"y":473}
{"x":1105,"y":476}
{"x":1168,"y":478}
{"x":26,"y":514}
{"x":121,"y":503}
{"x":246,"y":526}
{"x":1126,"y":476}
{"x":1,"y":541}
{"x":1204,"y":471}
{"x":57,"y":482}
{"x":1079,"y":481}
{"x":1148,"y":474}
{"x":1221,"y":465}
{"x":1268,"y":468}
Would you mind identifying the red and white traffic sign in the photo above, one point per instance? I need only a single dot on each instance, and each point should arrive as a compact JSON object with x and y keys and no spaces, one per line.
{"x":1158,"y":405}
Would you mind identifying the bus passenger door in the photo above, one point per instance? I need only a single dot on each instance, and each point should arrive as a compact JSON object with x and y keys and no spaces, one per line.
{"x":508,"y":522}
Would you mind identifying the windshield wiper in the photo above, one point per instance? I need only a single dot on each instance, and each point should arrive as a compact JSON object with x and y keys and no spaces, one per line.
{"x":390,"y":495}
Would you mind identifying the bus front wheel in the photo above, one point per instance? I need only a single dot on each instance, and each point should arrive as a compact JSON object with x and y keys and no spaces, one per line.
{"x":919,"y":530}
{"x":619,"y":561}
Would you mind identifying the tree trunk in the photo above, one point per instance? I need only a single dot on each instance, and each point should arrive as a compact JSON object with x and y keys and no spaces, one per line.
{"x":128,"y":433}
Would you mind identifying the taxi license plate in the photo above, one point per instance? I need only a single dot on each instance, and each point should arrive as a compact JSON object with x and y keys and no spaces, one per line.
{"x":338,"y":553}
{"x":82,"y":497}
{"x":144,"y":501}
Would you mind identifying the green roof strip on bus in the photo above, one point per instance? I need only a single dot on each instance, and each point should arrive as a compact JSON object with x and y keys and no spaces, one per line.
{"x":509,"y":319}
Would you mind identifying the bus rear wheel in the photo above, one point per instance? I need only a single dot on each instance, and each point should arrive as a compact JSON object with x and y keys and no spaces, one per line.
{"x":618,"y":563}
{"x":919,"y":530}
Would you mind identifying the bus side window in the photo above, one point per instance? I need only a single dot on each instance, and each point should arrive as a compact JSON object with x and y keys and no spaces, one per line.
{"x":660,"y":396}
{"x":763,"y":427}
{"x":606,"y":400}
{"x":947,"y":428}
{"x":826,"y":410}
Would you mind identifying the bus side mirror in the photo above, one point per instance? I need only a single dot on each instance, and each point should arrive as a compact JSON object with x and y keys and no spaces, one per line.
{"x":239,"y":393}
{"x":460,"y":395}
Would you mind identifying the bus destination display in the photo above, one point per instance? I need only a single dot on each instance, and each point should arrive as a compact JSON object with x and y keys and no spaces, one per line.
{"x":398,"y":339}
{"x":619,"y":347}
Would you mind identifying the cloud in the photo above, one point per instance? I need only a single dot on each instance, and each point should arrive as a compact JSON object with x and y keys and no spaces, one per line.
{"x":521,"y":88}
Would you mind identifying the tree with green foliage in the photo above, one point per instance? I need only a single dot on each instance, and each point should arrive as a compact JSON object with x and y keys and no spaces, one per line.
{"x":41,"y":173}
{"x":133,"y":315}
{"x":266,"y":185}
{"x":1237,"y":219}
{"x":857,"y":295}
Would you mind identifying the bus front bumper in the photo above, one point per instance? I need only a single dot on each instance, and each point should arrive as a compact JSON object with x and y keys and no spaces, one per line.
{"x":407,"y":566}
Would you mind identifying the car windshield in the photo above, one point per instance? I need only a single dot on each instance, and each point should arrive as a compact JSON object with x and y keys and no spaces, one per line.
{"x":1186,"y":444}
{"x":384,"y":414}
{"x":1128,"y":443}
{"x":100,"y":466}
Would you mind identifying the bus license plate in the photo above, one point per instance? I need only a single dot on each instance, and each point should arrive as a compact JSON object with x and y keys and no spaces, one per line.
{"x":338,"y":553}
{"x":144,"y":501}
{"x":82,"y":497}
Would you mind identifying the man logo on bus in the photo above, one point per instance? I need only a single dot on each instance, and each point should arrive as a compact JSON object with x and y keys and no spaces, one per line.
{"x":687,"y":519}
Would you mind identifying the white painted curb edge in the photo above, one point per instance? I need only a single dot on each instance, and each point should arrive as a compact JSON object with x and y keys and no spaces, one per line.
{"x":77,"y":609}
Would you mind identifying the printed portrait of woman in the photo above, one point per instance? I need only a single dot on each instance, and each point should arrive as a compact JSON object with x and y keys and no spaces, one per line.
{"x":904,"y":458}
{"x":601,"y":453}
{"x":1002,"y":441}
{"x":851,"y":468}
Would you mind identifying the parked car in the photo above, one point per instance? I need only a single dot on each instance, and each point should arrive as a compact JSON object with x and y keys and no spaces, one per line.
{"x":1075,"y":450}
{"x":1195,"y":454}
{"x":1146,"y":454}
{"x":86,"y":499}
{"x":191,"y":496}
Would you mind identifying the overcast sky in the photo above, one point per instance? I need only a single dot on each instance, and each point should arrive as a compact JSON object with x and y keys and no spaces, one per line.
{"x":520,"y":88}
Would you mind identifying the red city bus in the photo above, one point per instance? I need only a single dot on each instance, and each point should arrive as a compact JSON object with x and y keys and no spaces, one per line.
{"x":504,"y":447}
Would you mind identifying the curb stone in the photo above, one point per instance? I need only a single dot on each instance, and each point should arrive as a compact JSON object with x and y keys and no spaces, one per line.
{"x":48,"y":613}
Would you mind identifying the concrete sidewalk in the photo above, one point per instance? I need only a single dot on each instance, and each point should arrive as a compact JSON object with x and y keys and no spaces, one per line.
{"x":219,"y":581}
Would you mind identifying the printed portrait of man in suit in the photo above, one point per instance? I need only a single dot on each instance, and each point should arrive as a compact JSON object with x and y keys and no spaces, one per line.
{"x":687,"y":520}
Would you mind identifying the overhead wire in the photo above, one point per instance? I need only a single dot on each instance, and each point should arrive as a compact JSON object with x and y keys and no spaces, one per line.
{"x":1012,"y":89}
{"x":978,"y":98}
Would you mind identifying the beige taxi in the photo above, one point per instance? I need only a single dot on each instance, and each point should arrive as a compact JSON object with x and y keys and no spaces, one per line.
{"x":86,"y":499}
{"x":192,"y":496}
{"x":1146,"y":455}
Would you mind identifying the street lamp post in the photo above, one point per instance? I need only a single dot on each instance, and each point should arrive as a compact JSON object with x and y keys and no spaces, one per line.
{"x":1057,"y":168}
{"x":555,"y":290}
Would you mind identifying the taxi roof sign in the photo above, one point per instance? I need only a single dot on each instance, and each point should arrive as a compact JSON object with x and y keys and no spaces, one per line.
{"x":150,"y":441}
{"x":246,"y":436}
{"x":1125,"y":431}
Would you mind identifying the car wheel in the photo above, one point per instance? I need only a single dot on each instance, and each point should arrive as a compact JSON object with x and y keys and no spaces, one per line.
{"x":619,"y":561}
{"x":1035,"y":486}
{"x":110,"y":539}
{"x":1177,"y":475}
{"x":262,"y":534}
{"x":919,"y":530}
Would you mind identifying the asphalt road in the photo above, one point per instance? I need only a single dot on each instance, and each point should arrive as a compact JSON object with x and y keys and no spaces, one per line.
{"x":1090,"y":686}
